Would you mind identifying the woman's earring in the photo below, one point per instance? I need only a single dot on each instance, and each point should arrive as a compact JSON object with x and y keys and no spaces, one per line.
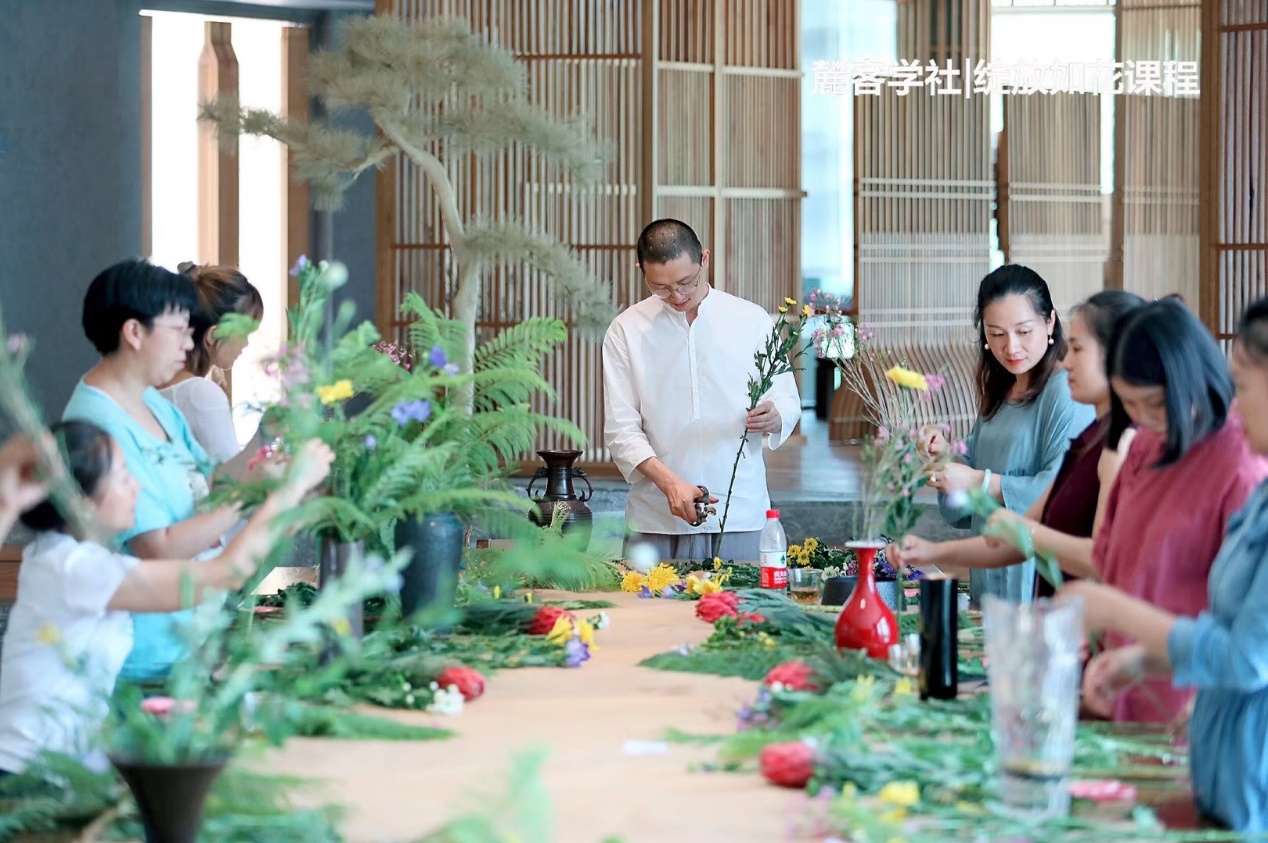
{"x":1050,"y":339}
{"x":986,"y":346}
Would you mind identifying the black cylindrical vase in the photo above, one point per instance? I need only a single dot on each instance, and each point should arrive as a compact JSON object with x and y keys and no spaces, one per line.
{"x":430,"y":580}
{"x":939,"y":630}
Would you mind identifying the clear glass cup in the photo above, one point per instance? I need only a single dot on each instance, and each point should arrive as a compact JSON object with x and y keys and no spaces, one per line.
{"x":804,"y":585}
{"x":1032,"y":652}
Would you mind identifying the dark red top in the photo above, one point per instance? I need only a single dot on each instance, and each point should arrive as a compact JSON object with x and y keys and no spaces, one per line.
{"x":1071,"y":506}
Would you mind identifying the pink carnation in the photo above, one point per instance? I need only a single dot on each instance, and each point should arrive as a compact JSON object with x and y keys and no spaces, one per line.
{"x":163,"y":706}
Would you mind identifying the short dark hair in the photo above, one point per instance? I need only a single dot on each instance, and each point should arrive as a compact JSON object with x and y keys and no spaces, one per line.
{"x":665,"y":240}
{"x":994,"y":381}
{"x":87,"y":450}
{"x":1252,"y":330}
{"x":1164,"y":344}
{"x":220,"y":290}
{"x":131,"y":289}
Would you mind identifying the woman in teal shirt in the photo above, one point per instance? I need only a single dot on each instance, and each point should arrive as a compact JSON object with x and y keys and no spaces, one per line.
{"x":1026,"y":416}
{"x":137,"y":316}
{"x":1223,"y":651}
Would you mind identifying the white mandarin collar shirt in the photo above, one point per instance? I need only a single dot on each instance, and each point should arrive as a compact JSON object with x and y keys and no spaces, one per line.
{"x":679,"y":392}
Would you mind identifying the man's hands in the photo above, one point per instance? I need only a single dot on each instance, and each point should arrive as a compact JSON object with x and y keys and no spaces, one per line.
{"x":764,"y":419}
{"x":681,"y":496}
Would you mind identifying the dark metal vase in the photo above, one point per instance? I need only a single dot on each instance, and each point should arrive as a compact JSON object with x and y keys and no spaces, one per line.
{"x":337,"y":557}
{"x":939,"y":639}
{"x":559,"y":474}
{"x":170,"y":797}
{"x":430,"y":580}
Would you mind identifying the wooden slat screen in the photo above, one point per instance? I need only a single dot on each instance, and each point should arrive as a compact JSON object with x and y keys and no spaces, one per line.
{"x":1235,"y":154}
{"x":923,"y":197}
{"x":1155,"y":231}
{"x":698,"y":102}
{"x":1051,"y":215}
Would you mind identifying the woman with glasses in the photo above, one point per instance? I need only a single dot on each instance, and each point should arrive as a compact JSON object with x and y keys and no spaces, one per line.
{"x":676,"y":368}
{"x":137,"y":317}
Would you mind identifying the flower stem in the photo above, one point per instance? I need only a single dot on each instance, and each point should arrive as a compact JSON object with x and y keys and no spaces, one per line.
{"x":726,"y":508}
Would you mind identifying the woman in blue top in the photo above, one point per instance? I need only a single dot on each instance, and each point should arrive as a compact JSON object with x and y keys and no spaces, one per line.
{"x":1026,"y":416}
{"x":137,"y":316}
{"x":1221,"y":652}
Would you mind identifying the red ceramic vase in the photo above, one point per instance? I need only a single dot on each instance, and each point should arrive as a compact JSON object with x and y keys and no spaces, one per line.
{"x":866,"y":623}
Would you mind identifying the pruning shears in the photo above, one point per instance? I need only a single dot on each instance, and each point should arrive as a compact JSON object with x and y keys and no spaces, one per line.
{"x":704,"y":508}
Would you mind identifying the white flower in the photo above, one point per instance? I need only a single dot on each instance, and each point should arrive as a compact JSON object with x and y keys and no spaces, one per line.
{"x":602,"y":621}
{"x":409,"y":699}
{"x":407,"y":687}
{"x":448,"y":701}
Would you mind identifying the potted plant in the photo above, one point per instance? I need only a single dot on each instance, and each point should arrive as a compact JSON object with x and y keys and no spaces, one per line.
{"x":169,"y":750}
{"x":893,"y":467}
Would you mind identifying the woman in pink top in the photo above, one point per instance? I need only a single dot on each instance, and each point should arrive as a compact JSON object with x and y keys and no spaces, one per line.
{"x":1188,"y":469}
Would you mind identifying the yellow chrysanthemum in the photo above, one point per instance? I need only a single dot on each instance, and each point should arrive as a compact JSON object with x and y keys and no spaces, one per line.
{"x":790,"y":302}
{"x":783,"y":308}
{"x":497,"y":592}
{"x":701,"y":587}
{"x":864,"y":688}
{"x":907,"y":378}
{"x":811,"y":545}
{"x":807,"y":311}
{"x":561,"y":631}
{"x":633,"y":582}
{"x":717,"y":563}
{"x":900,"y":794}
{"x":794,"y":550}
{"x":585,"y":631}
{"x":661,"y":577}
{"x":904,"y":687}
{"x":337,"y":391}
{"x":50,"y":635}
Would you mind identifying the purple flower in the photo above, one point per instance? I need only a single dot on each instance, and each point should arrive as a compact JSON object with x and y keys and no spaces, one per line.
{"x":408,"y":411}
{"x":935,"y":382}
{"x":576,"y":651}
{"x":370,"y":442}
{"x":16,"y":343}
{"x":667,"y":591}
{"x":644,"y":591}
{"x":437,"y":357}
{"x":300,"y":265}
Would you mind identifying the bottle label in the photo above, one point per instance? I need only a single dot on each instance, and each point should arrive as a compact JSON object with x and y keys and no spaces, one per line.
{"x":774,"y":570}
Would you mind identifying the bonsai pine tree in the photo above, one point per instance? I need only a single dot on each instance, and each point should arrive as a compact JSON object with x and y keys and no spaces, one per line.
{"x":432,"y":86}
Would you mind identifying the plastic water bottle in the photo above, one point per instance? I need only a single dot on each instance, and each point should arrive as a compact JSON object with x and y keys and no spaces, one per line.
{"x":773,"y":553}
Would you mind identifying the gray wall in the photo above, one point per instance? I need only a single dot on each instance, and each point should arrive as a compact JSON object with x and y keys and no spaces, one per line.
{"x":70,"y":174}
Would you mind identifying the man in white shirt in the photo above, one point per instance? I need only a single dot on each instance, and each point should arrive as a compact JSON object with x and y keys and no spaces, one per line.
{"x":676,"y":368}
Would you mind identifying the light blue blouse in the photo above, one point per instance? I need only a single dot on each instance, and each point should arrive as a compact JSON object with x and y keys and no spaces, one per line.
{"x":1223,"y":652}
{"x":173,"y":477}
{"x":1023,"y":444}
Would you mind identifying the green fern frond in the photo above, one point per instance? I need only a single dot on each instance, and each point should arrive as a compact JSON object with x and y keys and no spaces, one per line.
{"x":403,"y":478}
{"x":523,"y":344}
{"x":493,"y":388}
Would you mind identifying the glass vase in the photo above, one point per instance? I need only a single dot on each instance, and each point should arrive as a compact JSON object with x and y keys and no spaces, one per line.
{"x":1032,"y":652}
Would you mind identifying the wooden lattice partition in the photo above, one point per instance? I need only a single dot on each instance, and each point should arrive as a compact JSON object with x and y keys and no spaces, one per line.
{"x":1051,"y":215}
{"x":1154,"y":246}
{"x":698,"y":102}
{"x":1234,"y":152}
{"x":923,"y":194}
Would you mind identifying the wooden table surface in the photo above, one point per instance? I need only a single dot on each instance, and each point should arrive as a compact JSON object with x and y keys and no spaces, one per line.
{"x":599,"y":782}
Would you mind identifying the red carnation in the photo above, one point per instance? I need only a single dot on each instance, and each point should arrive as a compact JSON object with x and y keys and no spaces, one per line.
{"x":752,"y":618}
{"x":721,"y":604}
{"x":544,"y":621}
{"x":795,"y":676}
{"x":787,"y":764}
{"x":468,"y":681}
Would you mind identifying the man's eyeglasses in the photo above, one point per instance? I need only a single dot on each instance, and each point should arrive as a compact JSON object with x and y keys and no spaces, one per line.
{"x":681,"y":289}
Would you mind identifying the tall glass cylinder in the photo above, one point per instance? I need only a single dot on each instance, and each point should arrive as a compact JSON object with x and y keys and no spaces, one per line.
{"x":1033,"y":664}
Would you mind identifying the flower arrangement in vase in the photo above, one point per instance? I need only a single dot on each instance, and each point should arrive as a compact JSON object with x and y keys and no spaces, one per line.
{"x":895,"y":400}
